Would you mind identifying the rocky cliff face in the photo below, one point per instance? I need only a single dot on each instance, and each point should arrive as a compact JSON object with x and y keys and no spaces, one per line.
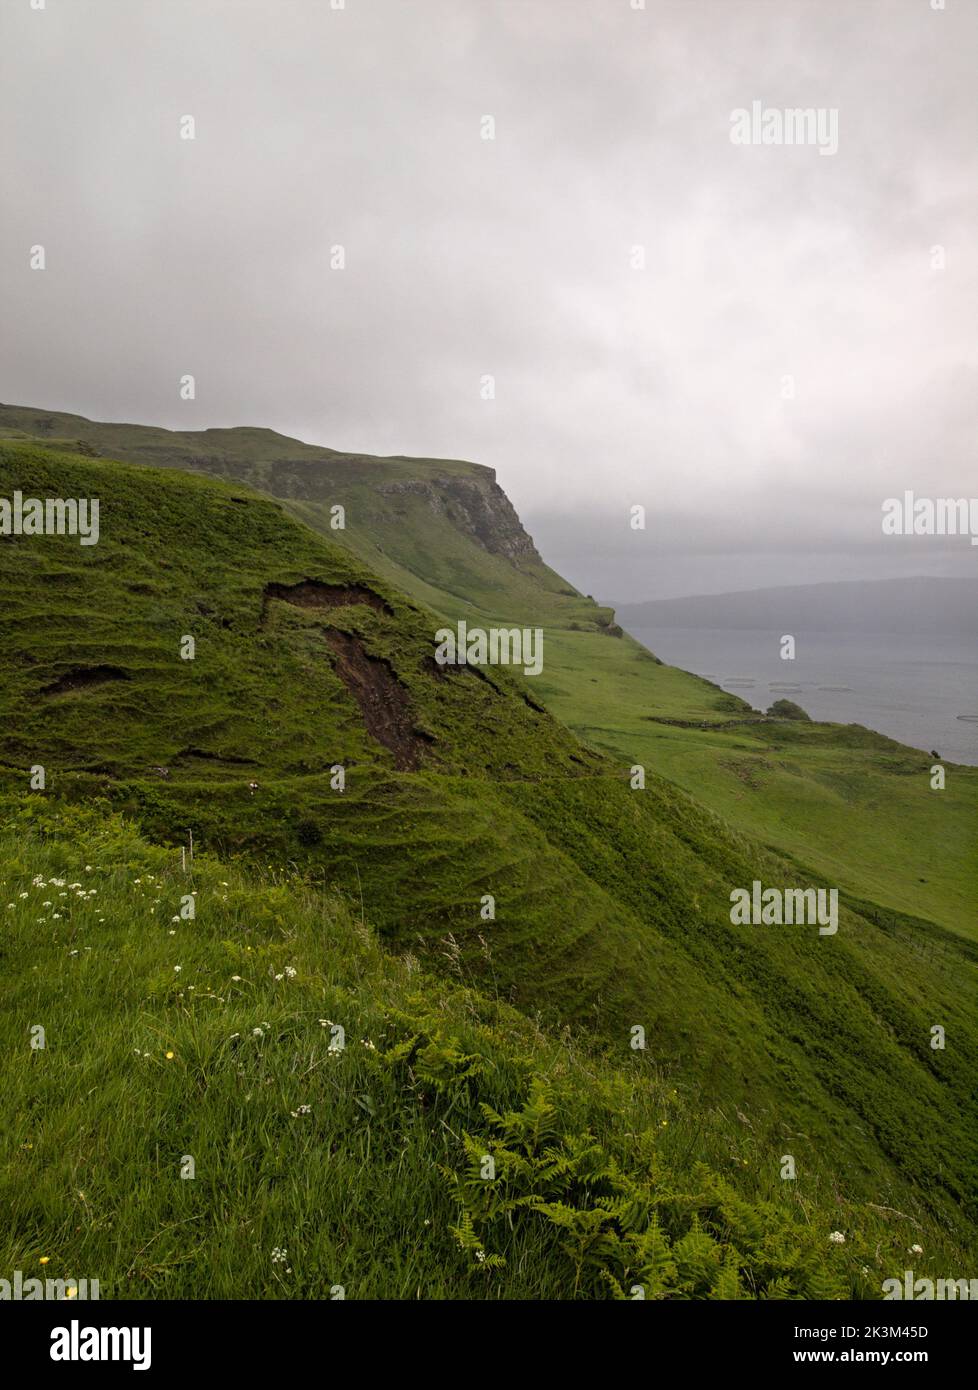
{"x":476,"y":506}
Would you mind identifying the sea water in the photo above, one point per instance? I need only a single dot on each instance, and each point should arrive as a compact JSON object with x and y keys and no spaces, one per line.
{"x":912,"y":687}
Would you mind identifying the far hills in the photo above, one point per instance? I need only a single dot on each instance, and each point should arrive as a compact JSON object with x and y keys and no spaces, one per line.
{"x":919,"y":604}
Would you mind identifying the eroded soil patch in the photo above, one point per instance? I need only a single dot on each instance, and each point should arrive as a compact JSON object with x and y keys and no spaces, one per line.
{"x":310,"y":593}
{"x":383,"y":700}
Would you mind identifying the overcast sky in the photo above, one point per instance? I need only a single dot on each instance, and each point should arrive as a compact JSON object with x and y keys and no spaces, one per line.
{"x":362,"y":127}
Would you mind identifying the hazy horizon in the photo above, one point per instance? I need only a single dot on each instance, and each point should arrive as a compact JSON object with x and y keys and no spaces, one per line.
{"x":890,"y":580}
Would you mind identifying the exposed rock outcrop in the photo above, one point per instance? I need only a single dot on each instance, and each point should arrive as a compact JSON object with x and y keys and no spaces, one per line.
{"x":476,"y":506}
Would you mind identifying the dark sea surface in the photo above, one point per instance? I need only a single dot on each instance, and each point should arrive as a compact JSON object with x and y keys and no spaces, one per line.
{"x":911,"y":687}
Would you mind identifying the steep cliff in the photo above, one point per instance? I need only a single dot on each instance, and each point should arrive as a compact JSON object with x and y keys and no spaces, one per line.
{"x":442,"y":530}
{"x":478,"y":507}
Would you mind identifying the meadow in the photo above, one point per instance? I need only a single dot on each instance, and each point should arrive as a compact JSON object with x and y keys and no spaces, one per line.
{"x":610,"y":910}
{"x":263,"y":1102}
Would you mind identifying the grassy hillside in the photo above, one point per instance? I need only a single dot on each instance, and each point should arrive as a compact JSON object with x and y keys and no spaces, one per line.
{"x":611,"y":904}
{"x":851,"y":805}
{"x":263,"y":1102}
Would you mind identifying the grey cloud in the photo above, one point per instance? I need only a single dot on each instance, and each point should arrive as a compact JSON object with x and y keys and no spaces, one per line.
{"x":511,"y":257}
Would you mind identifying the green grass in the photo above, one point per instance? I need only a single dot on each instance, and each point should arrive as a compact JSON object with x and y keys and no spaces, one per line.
{"x":611,"y":904}
{"x":168,"y":1039}
{"x":845,"y":801}
{"x":853,"y":805}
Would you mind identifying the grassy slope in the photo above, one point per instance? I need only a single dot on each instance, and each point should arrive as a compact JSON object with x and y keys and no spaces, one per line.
{"x":853,"y":807}
{"x":612,"y":905}
{"x":215,"y":1039}
{"x":851,"y":804}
